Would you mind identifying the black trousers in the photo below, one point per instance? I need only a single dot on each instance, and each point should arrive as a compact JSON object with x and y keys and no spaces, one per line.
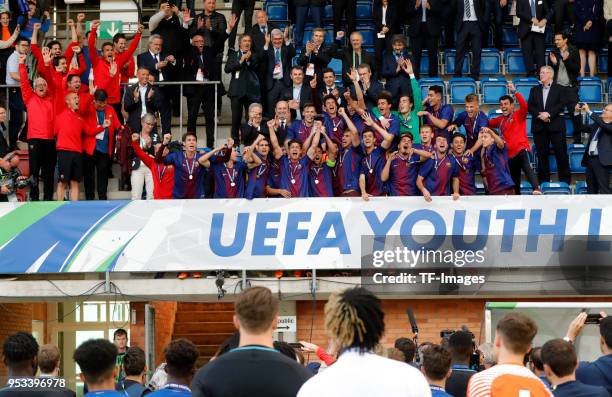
{"x":274,"y":95}
{"x":380,"y":46}
{"x":42,"y":162}
{"x":597,"y":176}
{"x":448,"y":21}
{"x":238,"y":6}
{"x":519,"y":163}
{"x":564,"y":12}
{"x":239,"y":104}
{"x":532,"y":46}
{"x":16,"y":108}
{"x":341,"y":7}
{"x":470,"y":31}
{"x":97,"y":169}
{"x":608,"y":36}
{"x":202,"y":97}
{"x":168,"y":97}
{"x":543,"y":141}
{"x":571,"y":97}
{"x":417,"y":51}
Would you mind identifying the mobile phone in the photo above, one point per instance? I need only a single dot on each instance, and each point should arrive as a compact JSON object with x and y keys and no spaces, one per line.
{"x":593,"y":318}
{"x":296,"y":345}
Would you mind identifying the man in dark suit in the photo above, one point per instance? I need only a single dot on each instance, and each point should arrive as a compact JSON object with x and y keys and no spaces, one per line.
{"x":546,"y":103}
{"x":533,"y":14}
{"x":238,"y":6}
{"x":598,"y":152}
{"x":315,"y":57}
{"x":470,"y":25}
{"x":244,"y":86}
{"x":398,"y":82}
{"x":352,"y":56}
{"x":259,"y":31}
{"x":298,"y":93}
{"x":198,"y":66}
{"x":385,"y":14}
{"x":424,"y":27}
{"x":370,"y":88}
{"x":277,"y":59}
{"x":330,"y":88}
{"x":256,"y":125}
{"x":139,"y":99}
{"x":348,"y":7}
{"x":162,"y":67}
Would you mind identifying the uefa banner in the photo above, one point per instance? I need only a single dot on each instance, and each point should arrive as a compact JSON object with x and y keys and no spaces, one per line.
{"x":381,"y":235}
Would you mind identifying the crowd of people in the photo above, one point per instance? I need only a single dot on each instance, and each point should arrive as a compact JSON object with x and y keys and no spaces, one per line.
{"x":252,"y":363}
{"x":295,"y":131}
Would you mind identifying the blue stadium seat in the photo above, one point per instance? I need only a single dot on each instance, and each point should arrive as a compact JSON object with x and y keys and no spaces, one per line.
{"x":575,"y":153}
{"x":524,"y":84}
{"x":492,"y":88}
{"x":307,"y":34}
{"x":581,"y":187}
{"x":528,"y":122}
{"x":494,"y":113}
{"x":424,"y":67}
{"x":509,"y":36}
{"x":364,"y":9}
{"x":513,"y":58}
{"x":329,"y":35}
{"x":556,"y":188}
{"x":427,"y":82}
{"x":490,"y":61}
{"x":367,"y":31}
{"x":459,"y":87}
{"x":328,"y":12}
{"x":602,"y":62}
{"x":480,"y":190}
{"x":449,"y":60}
{"x":569,"y":125}
{"x":591,"y":89}
{"x":336,"y":65}
{"x":526,"y":188}
{"x":552,"y":160}
{"x":277,"y":11}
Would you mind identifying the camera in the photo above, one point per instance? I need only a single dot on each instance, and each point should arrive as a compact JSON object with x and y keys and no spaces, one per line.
{"x":13,"y":180}
{"x":475,"y":356}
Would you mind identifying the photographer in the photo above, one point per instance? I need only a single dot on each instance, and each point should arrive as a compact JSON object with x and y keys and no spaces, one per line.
{"x":599,"y":372}
{"x":461,"y":347}
{"x":10,"y":178}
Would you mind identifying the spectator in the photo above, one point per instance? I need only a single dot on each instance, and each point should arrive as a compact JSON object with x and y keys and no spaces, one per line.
{"x":385,"y":18}
{"x":26,"y":22}
{"x":16,"y":105}
{"x":395,"y":69}
{"x":254,"y":127}
{"x":424,"y":28}
{"x":472,"y":120}
{"x":49,"y":364}
{"x":140,"y":98}
{"x":512,"y":125}
{"x":277,"y":58}
{"x":408,"y":347}
{"x":41,"y":139}
{"x":513,"y":337}
{"x":120,"y":338}
{"x":495,"y":171}
{"x":297,"y":94}
{"x":134,"y":365}
{"x":461,"y":349}
{"x":560,"y":364}
{"x":98,"y":151}
{"x":3,"y":136}
{"x":588,"y":30}
{"x":314,"y":58}
{"x":488,"y":357}
{"x":9,"y":33}
{"x":596,"y":373}
{"x":565,"y":61}
{"x":469,"y":25}
{"x":532,"y":14}
{"x":282,"y":116}
{"x":545,"y":104}
{"x":96,"y":359}
{"x":163,"y":175}
{"x":302,"y":8}
{"x":168,"y":24}
{"x":255,"y":365}
{"x":238,"y":6}
{"x":436,"y":114}
{"x":436,"y":366}
{"x":536,"y":365}
{"x":261,"y":29}
{"x":597,"y":156}
{"x":352,"y":56}
{"x":141,"y":174}
{"x":494,"y":13}
{"x":244,"y":86}
{"x":467,"y":164}
{"x":181,"y":356}
{"x":364,"y":87}
{"x":355,"y":320}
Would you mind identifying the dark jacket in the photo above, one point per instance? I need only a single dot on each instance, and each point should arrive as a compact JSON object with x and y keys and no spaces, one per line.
{"x":146,"y":60}
{"x":305,"y":96}
{"x":432,"y":18}
{"x":597,"y":373}
{"x":572,"y":64}
{"x":244,"y":81}
{"x":555,"y":103}
{"x":371,"y":95}
{"x":604,"y":140}
{"x":320,"y":59}
{"x":479,"y":7}
{"x":258,"y":38}
{"x":391,"y":15}
{"x":248,"y":133}
{"x":346,"y":55}
{"x":287,"y":54}
{"x":193,"y":61}
{"x":174,"y":35}
{"x":523,"y":12}
{"x":134,"y":107}
{"x":218,"y":24}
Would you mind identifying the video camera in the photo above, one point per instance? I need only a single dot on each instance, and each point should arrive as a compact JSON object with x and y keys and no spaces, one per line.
{"x":475,"y":356}
{"x":13,"y":180}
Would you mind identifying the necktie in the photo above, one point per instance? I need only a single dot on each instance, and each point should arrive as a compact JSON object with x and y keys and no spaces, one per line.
{"x":356,"y":60}
{"x":283,"y":125}
{"x":468,"y":12}
{"x":329,"y":90}
{"x":533,"y":8}
{"x":277,"y":55}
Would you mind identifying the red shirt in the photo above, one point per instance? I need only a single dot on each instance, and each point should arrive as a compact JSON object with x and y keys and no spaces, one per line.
{"x":163,"y":175}
{"x":91,"y":116}
{"x":69,"y":128}
{"x":513,"y":128}
{"x":128,"y":71}
{"x":40,"y":110}
{"x":101,"y":67}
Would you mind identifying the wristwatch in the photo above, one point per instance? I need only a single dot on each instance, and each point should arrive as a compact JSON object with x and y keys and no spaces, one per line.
{"x":568,"y":339}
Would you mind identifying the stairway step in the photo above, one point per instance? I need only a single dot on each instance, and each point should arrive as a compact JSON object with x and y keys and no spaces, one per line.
{"x":203,"y":316}
{"x":203,"y":338}
{"x":197,"y":328}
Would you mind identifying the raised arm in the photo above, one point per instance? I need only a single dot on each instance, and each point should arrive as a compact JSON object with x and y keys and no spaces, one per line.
{"x":26,"y":89}
{"x":349,"y":123}
{"x":278,"y":151}
{"x":332,"y":148}
{"x":386,"y":171}
{"x":387,"y":137}
{"x":11,"y":40}
{"x":129,"y":53}
{"x":94,"y":58}
{"x":205,"y":160}
{"x":249,"y":156}
{"x":315,"y":141}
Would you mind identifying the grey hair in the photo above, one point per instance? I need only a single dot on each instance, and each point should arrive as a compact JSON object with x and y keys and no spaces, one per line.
{"x":149,"y":117}
{"x":549,"y":68}
{"x":488,"y":352}
{"x":155,"y":36}
{"x":276,"y":32}
{"x":255,"y":105}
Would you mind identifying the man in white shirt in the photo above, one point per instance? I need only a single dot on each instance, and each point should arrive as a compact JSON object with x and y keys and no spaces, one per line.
{"x":16,"y":106}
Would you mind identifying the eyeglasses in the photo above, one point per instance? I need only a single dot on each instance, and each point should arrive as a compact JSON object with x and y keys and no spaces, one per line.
{"x":150,"y":124}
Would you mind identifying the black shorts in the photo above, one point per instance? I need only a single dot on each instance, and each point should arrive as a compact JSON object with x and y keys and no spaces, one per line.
{"x":70,"y":166}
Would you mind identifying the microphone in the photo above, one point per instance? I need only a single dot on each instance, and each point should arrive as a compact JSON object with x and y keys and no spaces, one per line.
{"x":412,"y":319}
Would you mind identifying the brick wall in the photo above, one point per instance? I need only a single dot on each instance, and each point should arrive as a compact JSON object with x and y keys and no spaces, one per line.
{"x":14,"y":317}
{"x":164,"y":326}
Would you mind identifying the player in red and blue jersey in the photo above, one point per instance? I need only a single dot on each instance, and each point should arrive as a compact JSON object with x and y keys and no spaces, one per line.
{"x":293,"y":165}
{"x":472,"y":119}
{"x":349,"y":158}
{"x":229,"y":176}
{"x":468,"y":164}
{"x":320,"y":173}
{"x":426,"y":132}
{"x":258,"y":176}
{"x":387,"y":120}
{"x":334,"y":124}
{"x":188,"y":174}
{"x":494,"y":157}
{"x":400,"y":170}
{"x":438,"y":174}
{"x":300,"y":130}
{"x":436,"y":113}
{"x":374,"y":159}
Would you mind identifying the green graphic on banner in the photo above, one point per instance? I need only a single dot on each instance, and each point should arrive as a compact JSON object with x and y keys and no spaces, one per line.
{"x":107,"y":29}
